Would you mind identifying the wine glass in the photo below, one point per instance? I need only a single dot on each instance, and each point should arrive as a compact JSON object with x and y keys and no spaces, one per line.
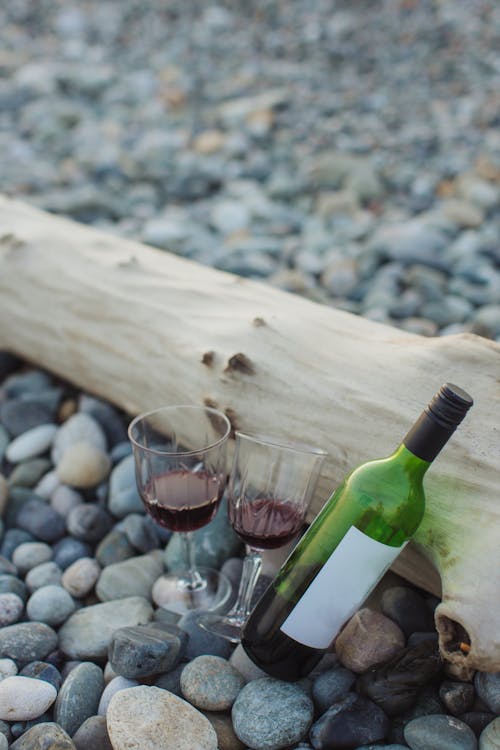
{"x":269,"y":491}
{"x":180,"y":469}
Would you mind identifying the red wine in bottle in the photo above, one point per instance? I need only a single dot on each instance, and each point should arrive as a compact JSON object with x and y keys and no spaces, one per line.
{"x":349,"y":546}
{"x":183,"y":500}
{"x":265,"y":523}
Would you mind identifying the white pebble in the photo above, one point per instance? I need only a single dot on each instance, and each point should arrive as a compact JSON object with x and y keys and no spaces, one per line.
{"x":47,"y":485}
{"x":8,"y":668}
{"x":113,"y":687}
{"x":30,"y":554}
{"x":24,"y":698}
{"x":80,"y":427}
{"x":81,"y":576}
{"x":11,"y":607}
{"x":31,"y":443}
{"x":65,"y":499}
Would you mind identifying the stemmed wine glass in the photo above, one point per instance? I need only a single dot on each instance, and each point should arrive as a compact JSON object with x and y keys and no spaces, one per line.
{"x":269,"y":491}
{"x":180,"y":469}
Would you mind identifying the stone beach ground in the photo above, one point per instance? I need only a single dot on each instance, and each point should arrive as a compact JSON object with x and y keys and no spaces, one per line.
{"x":348,"y":152}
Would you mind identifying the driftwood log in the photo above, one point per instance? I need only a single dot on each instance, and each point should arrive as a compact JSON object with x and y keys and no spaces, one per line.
{"x":144,"y":328}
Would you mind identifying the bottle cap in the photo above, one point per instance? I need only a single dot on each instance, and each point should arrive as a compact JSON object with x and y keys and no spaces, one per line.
{"x":449,"y":406}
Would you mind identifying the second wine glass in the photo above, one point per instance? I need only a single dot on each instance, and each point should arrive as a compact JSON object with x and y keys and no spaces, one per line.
{"x":269,"y":491}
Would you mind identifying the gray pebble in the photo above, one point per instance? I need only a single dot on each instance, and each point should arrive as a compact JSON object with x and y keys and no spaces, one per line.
{"x":39,"y":519}
{"x":47,"y":734}
{"x":28,"y":473}
{"x":140,"y":533}
{"x":79,"y":696}
{"x":64,"y":499}
{"x":487,"y":686}
{"x":114,"y":548}
{"x":26,"y":556}
{"x":42,"y":670}
{"x":93,"y":733}
{"x":123,"y":495}
{"x":50,"y":604}
{"x":331,"y":686}
{"x":27,"y":641}
{"x":201,"y":641}
{"x":68,"y":550}
{"x":146,"y":650}
{"x":10,"y":584}
{"x":439,"y":732}
{"x":11,"y":608}
{"x":114,"y":686}
{"x":89,"y":522}
{"x":133,"y":577}
{"x":211,"y":683}
{"x":46,"y":574}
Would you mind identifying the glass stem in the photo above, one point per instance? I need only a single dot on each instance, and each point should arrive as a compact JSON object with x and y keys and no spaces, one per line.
{"x":251,"y":569}
{"x":194,"y":580}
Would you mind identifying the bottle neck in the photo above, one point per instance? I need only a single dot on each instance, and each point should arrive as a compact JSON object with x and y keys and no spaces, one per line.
{"x":427,"y":437}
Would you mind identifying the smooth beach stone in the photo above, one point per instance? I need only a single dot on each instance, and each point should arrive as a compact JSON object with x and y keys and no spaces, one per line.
{"x":81,"y":576}
{"x":490,"y":736}
{"x":116,"y":684}
{"x":79,"y":428}
{"x":141,"y":534}
{"x":64,"y":499}
{"x":123,"y":495}
{"x":330,"y":686}
{"x":171,"y":681}
{"x":12,"y":539}
{"x":226,"y":736}
{"x":114,"y":548}
{"x":89,"y":522}
{"x":146,"y":650}
{"x":439,"y":732}
{"x":27,"y":473}
{"x":359,"y":653}
{"x":47,"y":485}
{"x":487,"y":686}
{"x":32,"y":443}
{"x":7,"y":567}
{"x":45,"y":574}
{"x":32,"y":381}
{"x":83,"y":465}
{"x":10,"y":584}
{"x":148,"y":718}
{"x":44,"y":736}
{"x":93,"y":733}
{"x":88,"y":632}
{"x":24,"y":698}
{"x":120,"y":451}
{"x":457,"y":697}
{"x":201,"y":641}
{"x":27,"y":641}
{"x":31,"y":554}
{"x":4,"y":491}
{"x":50,"y":604}
{"x":79,"y":696}
{"x":352,"y":721}
{"x":133,"y":577}
{"x":8,"y":668}
{"x":42,"y":670}
{"x":408,"y":609}
{"x":106,"y":416}
{"x":11,"y":608}
{"x":284,"y":714}
{"x":39,"y":519}
{"x":68,"y":550}
{"x":211,"y":683}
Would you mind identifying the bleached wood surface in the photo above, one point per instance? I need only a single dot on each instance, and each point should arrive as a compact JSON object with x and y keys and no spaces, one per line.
{"x":144,"y":328}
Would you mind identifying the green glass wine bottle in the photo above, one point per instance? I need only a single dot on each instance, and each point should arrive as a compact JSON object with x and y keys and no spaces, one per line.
{"x":349,"y":546}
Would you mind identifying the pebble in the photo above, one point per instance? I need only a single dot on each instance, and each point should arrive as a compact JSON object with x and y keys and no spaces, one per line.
{"x":93,"y":733}
{"x":44,"y":735}
{"x":68,"y":550}
{"x":80,"y":577}
{"x":45,"y":574}
{"x":148,"y":718}
{"x":408,"y":609}
{"x":171,"y":681}
{"x":22,"y":383}
{"x":88,"y":632}
{"x":28,"y":473}
{"x":4,"y":441}
{"x":457,"y":697}
{"x":11,"y":608}
{"x":79,"y":428}
{"x":106,"y":416}
{"x":284,"y":714}
{"x":25,"y":642}
{"x":352,"y":721}
{"x":82,"y":465}
{"x":79,"y":696}
{"x":331,"y":686}
{"x":439,"y":732}
{"x":4,"y":491}
{"x":42,"y":670}
{"x":47,"y":485}
{"x":113,"y":686}
{"x":201,"y":641}
{"x":64,"y":499}
{"x":114,"y":548}
{"x":10,"y":584}
{"x":8,"y":668}
{"x":140,"y":532}
{"x":12,"y":539}
{"x":487,"y":686}
{"x":51,"y":605}
{"x":226,"y":737}
{"x":358,"y":652}
{"x":123,"y":496}
{"x":89,"y":522}
{"x":30,"y":554}
{"x":32,"y":443}
{"x":146,"y":650}
{"x":18,"y":415}
{"x":7,"y":567}
{"x":40,"y":520}
{"x":490,"y":736}
{"x":133,"y":577}
{"x":211,"y":683}
{"x":24,"y":698}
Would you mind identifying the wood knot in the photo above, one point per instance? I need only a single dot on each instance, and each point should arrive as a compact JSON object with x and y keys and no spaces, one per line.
{"x":258,"y":322}
{"x":240,"y":363}
{"x":208,"y":359}
{"x":210,"y":402}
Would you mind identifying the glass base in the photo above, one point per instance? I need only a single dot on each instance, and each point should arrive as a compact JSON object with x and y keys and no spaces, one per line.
{"x":226,"y":626}
{"x":177,"y":593}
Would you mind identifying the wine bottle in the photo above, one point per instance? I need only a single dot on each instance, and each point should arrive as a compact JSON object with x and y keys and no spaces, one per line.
{"x":349,"y":546}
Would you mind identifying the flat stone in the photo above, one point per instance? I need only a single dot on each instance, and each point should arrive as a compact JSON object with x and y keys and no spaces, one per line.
{"x":81,"y":576}
{"x":82,"y":465}
{"x":487,"y":686}
{"x":27,"y":641}
{"x":148,"y":718}
{"x":30,"y":554}
{"x":79,"y":696}
{"x":284,"y":714}
{"x":89,"y":522}
{"x":123,"y":495}
{"x":439,"y":732}
{"x":93,"y":733}
{"x":50,"y":604}
{"x":24,"y":698}
{"x":80,"y":427}
{"x":352,"y":721}
{"x":40,"y":520}
{"x":146,"y":650}
{"x":88,"y":632}
{"x":133,"y":577}
{"x":211,"y":683}
{"x":32,"y":443}
{"x":490,"y":736}
{"x":45,"y":574}
{"x":11,"y":608}
{"x":114,"y":686}
{"x":42,"y":737}
{"x":331,"y":686}
{"x":369,"y":638}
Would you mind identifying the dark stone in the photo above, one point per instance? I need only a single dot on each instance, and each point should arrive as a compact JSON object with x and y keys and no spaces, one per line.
{"x":28,"y":473}
{"x":200,"y":640}
{"x":351,"y":722}
{"x":18,"y":497}
{"x":427,"y":703}
{"x":416,"y":638}
{"x":19,"y":415}
{"x":42,"y":670}
{"x":394,"y":686}
{"x":41,"y":520}
{"x":89,"y":522}
{"x":9,"y":363}
{"x":331,"y":686}
{"x":146,"y":650}
{"x":68,"y":550}
{"x":171,"y":681}
{"x":44,"y":736}
{"x":79,"y":696}
{"x":115,"y":547}
{"x":408,"y":609}
{"x":12,"y":539}
{"x":32,"y":381}
{"x":457,"y":697}
{"x":487,"y":686}
{"x":10,"y":584}
{"x":27,"y":641}
{"x":93,"y":733}
{"x":477,"y":720}
{"x":7,"y":567}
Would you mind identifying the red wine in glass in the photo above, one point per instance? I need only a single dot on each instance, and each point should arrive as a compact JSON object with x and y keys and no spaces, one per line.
{"x":183,"y":500}
{"x":266,"y":523}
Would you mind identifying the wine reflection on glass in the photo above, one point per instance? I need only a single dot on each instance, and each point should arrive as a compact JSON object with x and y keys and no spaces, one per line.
{"x":269,"y":491}
{"x":180,"y":469}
